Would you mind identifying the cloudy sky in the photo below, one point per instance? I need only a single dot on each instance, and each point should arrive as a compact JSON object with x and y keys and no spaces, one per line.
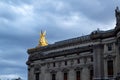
{"x":22,"y":20}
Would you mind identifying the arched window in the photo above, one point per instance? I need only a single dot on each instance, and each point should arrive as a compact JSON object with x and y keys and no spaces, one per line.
{"x":91,"y":74}
{"x":65,"y":76}
{"x":110,"y":68}
{"x":77,"y":75}
{"x":36,"y":76}
{"x":53,"y":76}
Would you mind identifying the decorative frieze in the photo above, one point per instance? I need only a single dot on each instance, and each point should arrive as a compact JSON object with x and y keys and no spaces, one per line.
{"x":109,"y":57}
{"x":78,"y":68}
{"x":65,"y":70}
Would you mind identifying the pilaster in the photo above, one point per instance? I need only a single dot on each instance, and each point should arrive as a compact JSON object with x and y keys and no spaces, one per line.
{"x":47,"y":76}
{"x":118,"y":56}
{"x":59,"y":75}
{"x":32,"y":75}
{"x":85,"y":74}
{"x":29,"y":73}
{"x":71,"y":75}
{"x":98,"y":62}
{"x":42,"y":77}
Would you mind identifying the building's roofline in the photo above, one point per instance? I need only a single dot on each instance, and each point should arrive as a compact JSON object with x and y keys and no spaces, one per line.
{"x":75,"y":41}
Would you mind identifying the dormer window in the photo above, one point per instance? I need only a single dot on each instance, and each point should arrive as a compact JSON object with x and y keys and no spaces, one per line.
{"x":78,"y":61}
{"x":109,"y":46}
{"x":54,"y":64}
{"x":65,"y":62}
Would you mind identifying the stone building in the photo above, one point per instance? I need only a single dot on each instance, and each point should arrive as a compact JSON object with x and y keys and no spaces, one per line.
{"x":92,"y":57}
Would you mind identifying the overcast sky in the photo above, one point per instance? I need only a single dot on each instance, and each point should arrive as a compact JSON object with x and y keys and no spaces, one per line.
{"x":22,"y":20}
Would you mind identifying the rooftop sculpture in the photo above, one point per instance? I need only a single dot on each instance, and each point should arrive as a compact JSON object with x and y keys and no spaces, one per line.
{"x":117,"y":14}
{"x":43,"y":41}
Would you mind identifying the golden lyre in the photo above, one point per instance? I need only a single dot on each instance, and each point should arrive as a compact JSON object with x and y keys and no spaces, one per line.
{"x":42,"y":40}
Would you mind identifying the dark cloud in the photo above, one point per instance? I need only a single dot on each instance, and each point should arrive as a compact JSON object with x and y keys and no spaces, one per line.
{"x":97,"y":10}
{"x":91,"y":9}
{"x":17,"y":2}
{"x":6,"y":13}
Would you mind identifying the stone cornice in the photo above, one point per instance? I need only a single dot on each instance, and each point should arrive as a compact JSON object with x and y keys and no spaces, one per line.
{"x":60,"y":60}
{"x":39,"y":56}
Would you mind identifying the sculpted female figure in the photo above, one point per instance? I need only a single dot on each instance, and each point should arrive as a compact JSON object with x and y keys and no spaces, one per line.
{"x":117,"y":13}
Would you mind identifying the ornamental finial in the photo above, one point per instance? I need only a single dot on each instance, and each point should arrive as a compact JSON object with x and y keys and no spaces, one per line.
{"x":42,"y":40}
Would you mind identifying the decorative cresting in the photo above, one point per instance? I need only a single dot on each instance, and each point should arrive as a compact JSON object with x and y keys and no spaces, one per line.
{"x":43,"y":41}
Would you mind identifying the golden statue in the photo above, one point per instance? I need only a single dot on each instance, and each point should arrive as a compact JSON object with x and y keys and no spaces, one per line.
{"x":43,"y":41}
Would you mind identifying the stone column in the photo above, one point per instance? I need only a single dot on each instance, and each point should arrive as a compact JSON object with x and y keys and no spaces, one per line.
{"x":71,"y":74}
{"x":59,"y":75}
{"x":85,"y":73}
{"x":98,"y":62}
